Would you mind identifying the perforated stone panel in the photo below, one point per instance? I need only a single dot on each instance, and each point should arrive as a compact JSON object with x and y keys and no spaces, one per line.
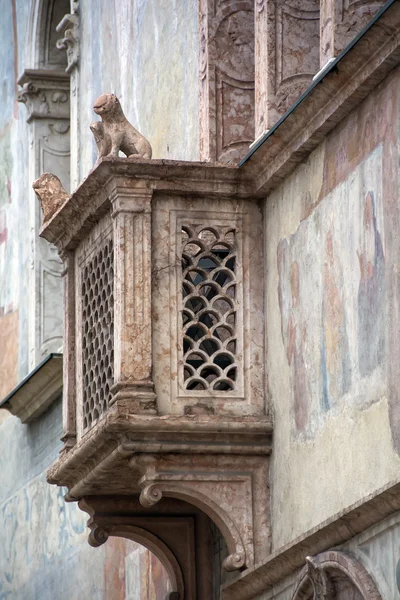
{"x":209,"y":308}
{"x":97,"y":279}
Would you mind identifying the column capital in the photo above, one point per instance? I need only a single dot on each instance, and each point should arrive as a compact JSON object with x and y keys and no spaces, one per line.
{"x":45,"y":94}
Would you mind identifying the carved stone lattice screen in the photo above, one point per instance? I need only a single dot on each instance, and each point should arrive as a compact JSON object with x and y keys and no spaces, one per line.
{"x":97,"y":295}
{"x":94,"y":284}
{"x":209,"y":313}
{"x":207,"y":303}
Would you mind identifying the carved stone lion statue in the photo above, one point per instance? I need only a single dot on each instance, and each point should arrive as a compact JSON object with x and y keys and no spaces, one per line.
{"x":51,"y":194}
{"x":114,"y":132}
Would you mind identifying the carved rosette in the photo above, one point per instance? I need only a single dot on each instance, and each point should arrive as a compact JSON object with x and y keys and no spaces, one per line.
{"x":69,"y":27}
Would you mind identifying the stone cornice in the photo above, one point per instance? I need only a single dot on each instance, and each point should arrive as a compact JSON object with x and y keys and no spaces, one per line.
{"x":68,"y":225}
{"x":37,"y":391}
{"x":120,"y":434}
{"x":334,"y":531}
{"x":45,"y":94}
{"x":350,"y":78}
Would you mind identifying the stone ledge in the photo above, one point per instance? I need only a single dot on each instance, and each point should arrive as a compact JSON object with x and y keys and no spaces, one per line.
{"x":37,"y":391}
{"x":338,"y":529}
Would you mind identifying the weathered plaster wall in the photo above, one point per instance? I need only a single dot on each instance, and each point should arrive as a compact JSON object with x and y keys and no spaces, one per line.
{"x":43,"y":543}
{"x":332,"y":294}
{"x":14,"y":248}
{"x":147,"y":54}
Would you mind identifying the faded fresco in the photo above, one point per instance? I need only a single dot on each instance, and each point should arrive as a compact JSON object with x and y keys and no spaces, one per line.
{"x":332,"y":299}
{"x":44,"y":551}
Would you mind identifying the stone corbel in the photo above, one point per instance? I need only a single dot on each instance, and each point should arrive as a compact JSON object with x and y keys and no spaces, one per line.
{"x":69,"y":26}
{"x":177,"y":534}
{"x":231,"y":490}
{"x":45,"y":94}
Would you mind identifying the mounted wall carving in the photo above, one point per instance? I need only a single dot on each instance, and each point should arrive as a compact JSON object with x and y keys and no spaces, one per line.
{"x":226,"y":72}
{"x":334,"y":575}
{"x":341,"y":20}
{"x":287,"y":55}
{"x":45,"y":94}
{"x":69,"y":27}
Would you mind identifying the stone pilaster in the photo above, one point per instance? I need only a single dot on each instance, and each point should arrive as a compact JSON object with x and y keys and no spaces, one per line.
{"x":46,"y":97}
{"x":286,"y":55}
{"x":226,"y":79}
{"x":340,"y":23}
{"x":132,"y":325}
{"x":69,"y":379}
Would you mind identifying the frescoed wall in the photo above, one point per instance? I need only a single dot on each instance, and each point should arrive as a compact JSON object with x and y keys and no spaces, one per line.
{"x":377,"y":551}
{"x":44,"y":551}
{"x":334,"y":326}
{"x":332,"y":295}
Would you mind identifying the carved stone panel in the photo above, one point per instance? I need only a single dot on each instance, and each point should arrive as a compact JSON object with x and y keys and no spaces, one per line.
{"x":207,"y":307}
{"x":226,"y":79}
{"x":46,"y":97}
{"x":287,"y":55}
{"x":341,"y":20}
{"x":69,"y":28}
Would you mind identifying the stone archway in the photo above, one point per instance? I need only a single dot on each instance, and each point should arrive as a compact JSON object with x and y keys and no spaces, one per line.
{"x":335,"y":575}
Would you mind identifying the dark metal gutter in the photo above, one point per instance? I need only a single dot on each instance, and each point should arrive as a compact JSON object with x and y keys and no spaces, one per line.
{"x":324,"y":72}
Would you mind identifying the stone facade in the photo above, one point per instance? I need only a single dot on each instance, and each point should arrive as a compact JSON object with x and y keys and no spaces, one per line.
{"x":230,"y":410}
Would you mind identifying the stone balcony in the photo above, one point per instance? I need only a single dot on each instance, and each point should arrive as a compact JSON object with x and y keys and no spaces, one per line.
{"x":164,"y":410}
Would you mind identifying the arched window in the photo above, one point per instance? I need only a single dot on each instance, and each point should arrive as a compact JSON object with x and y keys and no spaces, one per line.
{"x":334,"y":575}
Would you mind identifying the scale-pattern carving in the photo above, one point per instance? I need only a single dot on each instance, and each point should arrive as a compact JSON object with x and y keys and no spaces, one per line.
{"x":209,"y":308}
{"x":97,"y":281}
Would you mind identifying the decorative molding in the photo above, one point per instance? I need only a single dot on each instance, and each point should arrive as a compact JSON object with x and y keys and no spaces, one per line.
{"x":218,"y":465}
{"x":45,"y":94}
{"x":337,"y":530}
{"x":316,"y":580}
{"x":69,"y":26}
{"x":37,"y":391}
